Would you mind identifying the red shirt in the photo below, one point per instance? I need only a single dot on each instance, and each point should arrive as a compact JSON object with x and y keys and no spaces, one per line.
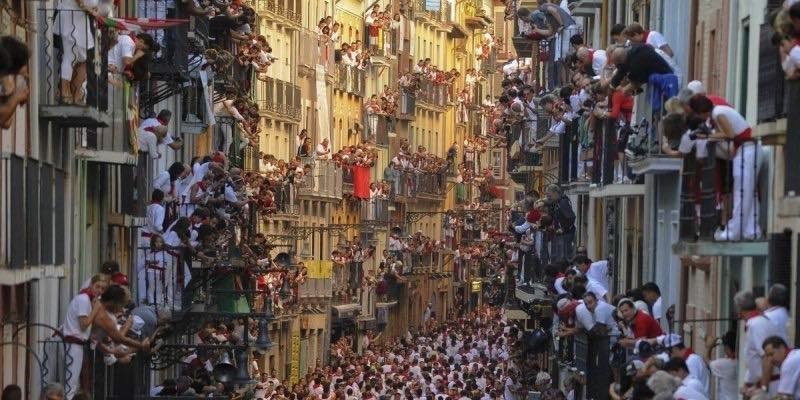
{"x":621,"y":106}
{"x":645,"y":326}
{"x":718,"y":101}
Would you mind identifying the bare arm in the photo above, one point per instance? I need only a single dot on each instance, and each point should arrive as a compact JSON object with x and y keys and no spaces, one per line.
{"x":110,"y":327}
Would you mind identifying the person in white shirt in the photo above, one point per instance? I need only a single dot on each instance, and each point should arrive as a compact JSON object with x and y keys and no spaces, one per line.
{"x":154,"y":219}
{"x":158,"y":126}
{"x":652,"y":296}
{"x":777,"y":309}
{"x":596,"y":271}
{"x":694,"y":363}
{"x":592,"y":312}
{"x":691,"y":388}
{"x":324,"y":150}
{"x":778,"y":353}
{"x":80,"y":315}
{"x":635,"y":33}
{"x":757,"y":329}
{"x":725,"y":369}
{"x":596,"y":59}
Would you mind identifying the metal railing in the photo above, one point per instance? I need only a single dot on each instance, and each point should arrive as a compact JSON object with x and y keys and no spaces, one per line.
{"x":280,"y":97}
{"x":791,"y":186}
{"x":351,"y":80}
{"x":315,"y":288}
{"x":377,"y":128}
{"x":720,"y":200}
{"x":432,"y":94}
{"x":431,"y":11}
{"x":346,"y":282}
{"x":375,"y":209}
{"x":407,"y":103}
{"x":312,"y":53}
{"x":385,"y":44}
{"x":325,"y":180}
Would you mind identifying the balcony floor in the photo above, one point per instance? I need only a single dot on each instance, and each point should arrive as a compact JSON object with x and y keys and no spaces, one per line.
{"x":656,"y":164}
{"x":712,"y":248}
{"x":74,"y":115}
{"x":107,"y":156}
{"x":617,"y":190}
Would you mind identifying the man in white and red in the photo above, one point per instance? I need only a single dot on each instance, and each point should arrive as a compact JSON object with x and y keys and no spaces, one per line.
{"x":155,"y":215}
{"x":591,"y":58}
{"x":757,"y":329}
{"x":81,"y":312}
{"x":596,"y":271}
{"x":779,"y":355}
{"x":637,"y":34}
{"x":154,"y":137}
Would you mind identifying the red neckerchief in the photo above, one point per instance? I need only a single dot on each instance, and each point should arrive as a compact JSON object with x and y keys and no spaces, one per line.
{"x":645,"y":36}
{"x":88,"y":292}
{"x":591,"y":55}
{"x":162,"y":122}
{"x":750,"y":315}
{"x":687,"y":353}
{"x":560,"y":275}
{"x":155,"y":202}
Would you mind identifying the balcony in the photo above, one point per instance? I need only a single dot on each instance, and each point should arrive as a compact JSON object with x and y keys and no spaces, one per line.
{"x":523,"y":46}
{"x":385,"y":47}
{"x":475,"y":17}
{"x":110,"y":144}
{"x":377,"y":128}
{"x":451,"y":17}
{"x":279,"y":99}
{"x":709,"y":203}
{"x":325,"y":182}
{"x":315,"y":289}
{"x":422,"y":263}
{"x":374,"y":210}
{"x":408,"y":104}
{"x":312,"y":54}
{"x":411,"y":186}
{"x":433,"y":97}
{"x":429,"y":11}
{"x":489,"y":64}
{"x":285,"y":13}
{"x":346,"y":284}
{"x":610,"y":174}
{"x":72,"y":102}
{"x":351,"y":80}
{"x":791,"y":184}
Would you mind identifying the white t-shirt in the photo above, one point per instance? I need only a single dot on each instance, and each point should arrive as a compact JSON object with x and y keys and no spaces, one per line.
{"x":792,"y":61}
{"x":725,"y":370}
{"x":596,"y":288}
{"x":598,"y":271}
{"x":658,"y":309}
{"x":790,"y":375}
{"x":656,"y":39}
{"x":779,"y":317}
{"x":738,"y":123}
{"x":687,"y":392}
{"x":80,"y":306}
{"x":559,"y":285}
{"x":758,"y":329}
{"x":323,"y":149}
{"x":148,"y":143}
{"x":124,"y":48}
{"x":599,"y":60}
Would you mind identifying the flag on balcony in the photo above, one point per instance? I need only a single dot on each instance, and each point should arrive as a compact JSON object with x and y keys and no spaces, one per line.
{"x":360,"y":182}
{"x":138,"y":24}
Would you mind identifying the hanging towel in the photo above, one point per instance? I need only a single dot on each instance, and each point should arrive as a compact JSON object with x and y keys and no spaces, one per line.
{"x":360,"y":182}
{"x":660,"y":88}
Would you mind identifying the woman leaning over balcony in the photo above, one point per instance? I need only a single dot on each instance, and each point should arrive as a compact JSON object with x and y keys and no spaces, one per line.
{"x":730,"y":126}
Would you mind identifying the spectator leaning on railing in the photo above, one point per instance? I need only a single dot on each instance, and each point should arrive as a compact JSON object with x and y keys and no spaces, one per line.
{"x":14,"y":78}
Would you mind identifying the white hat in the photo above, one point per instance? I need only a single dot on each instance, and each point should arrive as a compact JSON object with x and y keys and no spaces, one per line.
{"x":696,"y":87}
{"x":562,"y":303}
{"x":671,"y":340}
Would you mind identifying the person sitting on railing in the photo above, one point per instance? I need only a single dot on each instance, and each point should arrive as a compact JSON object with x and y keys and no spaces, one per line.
{"x":125,"y":52}
{"x":730,"y":126}
{"x":14,"y":56}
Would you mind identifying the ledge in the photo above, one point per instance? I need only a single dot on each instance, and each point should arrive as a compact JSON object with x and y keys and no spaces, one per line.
{"x":125,"y":220}
{"x":74,"y":116}
{"x":22,"y":275}
{"x":576,"y":187}
{"x":106,"y":156}
{"x":617,"y":190}
{"x":771,"y":133}
{"x":712,"y":248}
{"x":656,"y":164}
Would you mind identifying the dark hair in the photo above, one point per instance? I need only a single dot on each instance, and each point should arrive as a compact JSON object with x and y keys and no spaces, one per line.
{"x":651,"y":287}
{"x":12,"y":392}
{"x":165,"y":114}
{"x":626,"y":301}
{"x":794,"y":10}
{"x":617,"y":29}
{"x":576,"y":39}
{"x":590,"y":294}
{"x":565,"y":92}
{"x":158,"y":195}
{"x":729,"y":340}
{"x":175,"y":169}
{"x":151,"y":44}
{"x":109,"y":267}
{"x":700,"y":104}
{"x":676,"y":364}
{"x":778,"y":296}
{"x":114,"y":294}
{"x":18,"y":53}
{"x":581,"y":259}
{"x":775,"y":342}
{"x":673,"y":126}
{"x":5,"y":61}
{"x":512,"y":94}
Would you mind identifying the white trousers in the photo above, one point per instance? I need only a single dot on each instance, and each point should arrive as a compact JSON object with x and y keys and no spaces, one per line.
{"x":73,"y":378}
{"x":743,"y":222}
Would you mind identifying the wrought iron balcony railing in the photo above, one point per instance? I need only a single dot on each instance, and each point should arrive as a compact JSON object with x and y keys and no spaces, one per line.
{"x":325,"y":181}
